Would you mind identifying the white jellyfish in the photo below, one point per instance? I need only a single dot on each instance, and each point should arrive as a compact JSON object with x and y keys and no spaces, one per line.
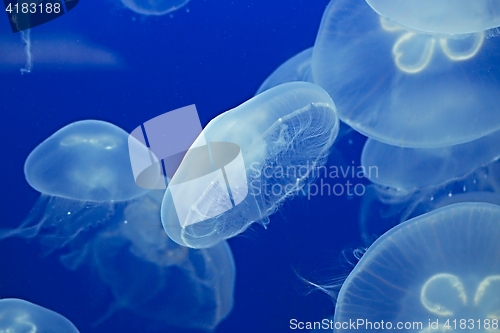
{"x":413,"y":181}
{"x":409,"y":169}
{"x":19,"y":316}
{"x":427,"y":274}
{"x":403,"y":88}
{"x":83,"y":173}
{"x":441,"y":17}
{"x":282,"y":135}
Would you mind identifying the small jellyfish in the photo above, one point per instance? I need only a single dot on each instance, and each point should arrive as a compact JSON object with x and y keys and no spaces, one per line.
{"x":155,"y":7}
{"x":427,"y":274}
{"x":283,"y":134}
{"x":83,"y":172}
{"x":441,"y":17}
{"x":297,"y":68}
{"x":19,"y":316}
{"x":403,"y":88}
{"x":158,"y":280}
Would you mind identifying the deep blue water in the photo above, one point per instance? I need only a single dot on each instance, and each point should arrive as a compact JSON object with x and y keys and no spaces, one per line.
{"x":214,"y":54}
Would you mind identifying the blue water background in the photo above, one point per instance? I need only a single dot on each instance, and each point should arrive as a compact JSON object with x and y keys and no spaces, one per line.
{"x":214,"y":54}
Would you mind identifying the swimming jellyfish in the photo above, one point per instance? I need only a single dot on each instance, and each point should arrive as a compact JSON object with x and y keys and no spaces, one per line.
{"x":430,"y":274}
{"x":403,"y":88}
{"x":282,"y":134}
{"x":83,"y":172}
{"x":384,"y":207}
{"x":441,"y":17}
{"x":412,"y":181}
{"x":408,"y":169}
{"x":19,"y":316}
{"x":154,"y":7}
{"x":297,"y":68}
{"x":157,"y":279}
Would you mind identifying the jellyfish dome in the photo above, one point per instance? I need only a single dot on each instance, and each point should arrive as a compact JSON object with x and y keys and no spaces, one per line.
{"x":86,"y":160}
{"x":279,"y":135}
{"x":82,"y":172}
{"x":415,"y":168}
{"x":441,"y":17}
{"x":403,"y":88}
{"x":154,"y":7}
{"x":430,"y":274}
{"x":18,"y":316}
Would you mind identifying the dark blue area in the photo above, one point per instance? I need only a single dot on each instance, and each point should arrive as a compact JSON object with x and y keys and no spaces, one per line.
{"x":215,"y":56}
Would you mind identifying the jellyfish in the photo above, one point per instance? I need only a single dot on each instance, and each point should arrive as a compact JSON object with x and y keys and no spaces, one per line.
{"x":155,"y":7}
{"x":155,"y":278}
{"x":382,"y":208}
{"x":403,"y":88}
{"x":430,"y":274}
{"x":297,"y":68}
{"x":83,"y":173}
{"x":22,"y":23}
{"x":408,"y":169}
{"x":17,"y":315}
{"x":280,"y":135}
{"x":412,"y":181}
{"x":444,"y":17}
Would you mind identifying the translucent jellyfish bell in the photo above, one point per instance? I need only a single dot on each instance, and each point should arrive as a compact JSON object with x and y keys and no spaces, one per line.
{"x":384,"y":207}
{"x":283,"y":133}
{"x":404,"y":88}
{"x":409,"y":182}
{"x":441,"y":17}
{"x":155,"y":7}
{"x":82,"y":171}
{"x":17,"y":315}
{"x":427,"y":272}
{"x":409,"y":169}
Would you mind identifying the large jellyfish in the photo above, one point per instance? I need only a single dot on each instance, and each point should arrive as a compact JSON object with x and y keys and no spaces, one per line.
{"x":282,"y":135}
{"x":19,"y":316}
{"x":154,"y":7}
{"x":404,"y":88}
{"x":83,"y":172}
{"x":157,"y":279}
{"x":297,"y":68}
{"x":441,"y":17}
{"x":436,"y":273}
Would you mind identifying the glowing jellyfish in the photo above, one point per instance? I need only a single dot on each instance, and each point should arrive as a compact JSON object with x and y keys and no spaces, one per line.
{"x":427,"y":272}
{"x":441,"y":17}
{"x":403,"y":88}
{"x":408,"y":169}
{"x":384,"y":207}
{"x":409,"y":182}
{"x":83,"y":171}
{"x":297,"y":68}
{"x":283,"y":133}
{"x":154,"y":7}
{"x":157,"y":279}
{"x":19,"y":316}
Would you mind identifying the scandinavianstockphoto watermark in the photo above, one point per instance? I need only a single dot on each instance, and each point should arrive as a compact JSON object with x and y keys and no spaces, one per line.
{"x":358,"y":324}
{"x":331,"y":180}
